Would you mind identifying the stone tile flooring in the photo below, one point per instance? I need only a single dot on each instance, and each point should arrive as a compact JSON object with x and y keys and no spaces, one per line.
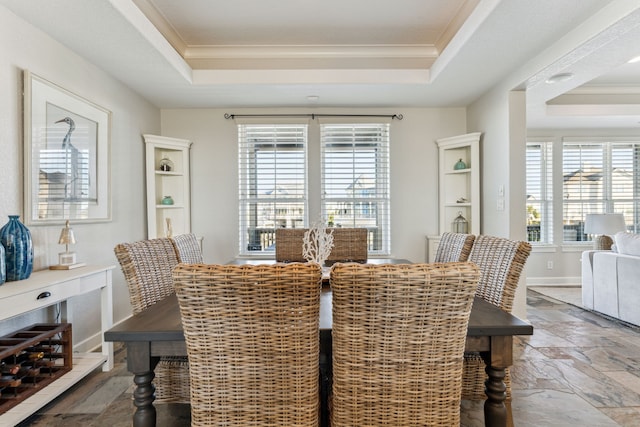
{"x":578,"y":369}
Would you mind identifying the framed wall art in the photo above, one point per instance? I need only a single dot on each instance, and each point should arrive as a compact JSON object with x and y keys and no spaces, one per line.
{"x":66,"y":154}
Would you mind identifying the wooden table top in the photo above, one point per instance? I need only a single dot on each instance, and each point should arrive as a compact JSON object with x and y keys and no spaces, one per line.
{"x":162,"y":322}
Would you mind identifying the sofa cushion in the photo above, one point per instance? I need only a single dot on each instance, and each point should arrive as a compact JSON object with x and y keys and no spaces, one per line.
{"x":628,"y":243}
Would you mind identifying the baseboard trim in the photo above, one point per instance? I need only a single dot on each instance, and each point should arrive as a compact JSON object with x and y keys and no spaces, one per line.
{"x":553,"y":281}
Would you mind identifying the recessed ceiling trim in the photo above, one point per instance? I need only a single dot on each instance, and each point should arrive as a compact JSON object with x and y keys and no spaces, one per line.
{"x":311,"y":51}
{"x":311,"y":76}
{"x":603,"y":90}
{"x":594,"y":110}
{"x":142,"y":24}
{"x":160,"y":22}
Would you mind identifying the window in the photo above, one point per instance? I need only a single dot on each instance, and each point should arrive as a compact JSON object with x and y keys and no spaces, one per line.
{"x":539,"y":192}
{"x":599,"y":177}
{"x":355,"y":179}
{"x":272,"y":183}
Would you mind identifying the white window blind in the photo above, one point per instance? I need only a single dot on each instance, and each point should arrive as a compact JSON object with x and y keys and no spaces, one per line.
{"x":355,"y":180}
{"x":272,"y":183}
{"x":539,"y":192}
{"x":599,"y":177}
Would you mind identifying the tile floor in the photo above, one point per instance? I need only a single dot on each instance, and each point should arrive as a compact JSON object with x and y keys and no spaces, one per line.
{"x":578,"y":369}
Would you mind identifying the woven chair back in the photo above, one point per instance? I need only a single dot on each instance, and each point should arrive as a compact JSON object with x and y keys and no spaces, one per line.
{"x":454,"y":247}
{"x":349,"y":244}
{"x":187,"y":248}
{"x":399,"y":332}
{"x":501,"y":262}
{"x":289,"y":244}
{"x":147,"y":265}
{"x":252,"y":336}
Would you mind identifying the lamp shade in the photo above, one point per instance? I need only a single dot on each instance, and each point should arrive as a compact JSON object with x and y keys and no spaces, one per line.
{"x":66,"y":236}
{"x":607,"y":224}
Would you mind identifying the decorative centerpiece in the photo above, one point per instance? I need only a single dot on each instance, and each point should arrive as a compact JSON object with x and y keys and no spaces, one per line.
{"x":317,"y":243}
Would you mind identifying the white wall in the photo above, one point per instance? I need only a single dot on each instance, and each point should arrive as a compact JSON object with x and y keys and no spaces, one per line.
{"x":24,"y":47}
{"x":414,"y":174}
{"x":501,"y":116}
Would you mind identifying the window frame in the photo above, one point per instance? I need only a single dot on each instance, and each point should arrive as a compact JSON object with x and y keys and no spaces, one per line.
{"x":607,"y":202}
{"x":375,"y":203}
{"x":546,"y":200}
{"x":249,"y":198}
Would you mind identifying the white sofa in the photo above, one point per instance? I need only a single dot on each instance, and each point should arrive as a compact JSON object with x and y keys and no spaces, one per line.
{"x":611,"y":279}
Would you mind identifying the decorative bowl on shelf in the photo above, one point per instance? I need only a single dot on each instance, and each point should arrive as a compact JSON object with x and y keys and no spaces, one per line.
{"x":167,"y":200}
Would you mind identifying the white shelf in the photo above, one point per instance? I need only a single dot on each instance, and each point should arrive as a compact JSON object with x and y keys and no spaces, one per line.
{"x":455,"y":184}
{"x":23,"y":296}
{"x":161,"y":183}
{"x":459,"y":171}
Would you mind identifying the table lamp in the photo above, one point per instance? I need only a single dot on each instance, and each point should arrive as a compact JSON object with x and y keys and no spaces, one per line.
{"x":603,"y":226}
{"x":66,"y":259}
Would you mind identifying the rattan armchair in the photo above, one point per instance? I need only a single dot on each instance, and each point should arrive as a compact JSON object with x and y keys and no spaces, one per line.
{"x":252,"y":335}
{"x":399,"y":333}
{"x":454,"y":247}
{"x":501,"y":262}
{"x":147,"y":266}
{"x":187,"y":248}
{"x":349,"y":244}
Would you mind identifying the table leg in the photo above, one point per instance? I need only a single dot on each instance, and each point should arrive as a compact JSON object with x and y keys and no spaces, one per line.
{"x":141,"y":364}
{"x":495,"y":411}
{"x":497,"y":359}
{"x":143,"y":397}
{"x":325,"y":377}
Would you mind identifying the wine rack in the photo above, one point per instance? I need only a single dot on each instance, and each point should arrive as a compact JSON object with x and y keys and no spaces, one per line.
{"x":32,"y":358}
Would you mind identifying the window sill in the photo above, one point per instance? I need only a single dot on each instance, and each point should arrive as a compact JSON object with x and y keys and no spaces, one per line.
{"x":543,"y":247}
{"x":578,"y":247}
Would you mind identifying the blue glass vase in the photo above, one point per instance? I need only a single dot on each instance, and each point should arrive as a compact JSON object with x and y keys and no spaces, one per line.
{"x":18,"y":246}
{"x":3,"y":268}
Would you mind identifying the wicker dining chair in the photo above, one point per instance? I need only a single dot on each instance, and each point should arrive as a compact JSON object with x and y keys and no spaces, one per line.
{"x":289,"y":244}
{"x":454,"y":247}
{"x":349,"y":244}
{"x":501,"y":262}
{"x":187,"y":248}
{"x":399,"y":332}
{"x":147,"y":265}
{"x":252,"y":336}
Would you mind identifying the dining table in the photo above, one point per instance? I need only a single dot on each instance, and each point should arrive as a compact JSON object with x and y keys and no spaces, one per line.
{"x":157,"y":331}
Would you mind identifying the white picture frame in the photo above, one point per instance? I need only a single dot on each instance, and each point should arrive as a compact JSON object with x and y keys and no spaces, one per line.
{"x":66,"y":156}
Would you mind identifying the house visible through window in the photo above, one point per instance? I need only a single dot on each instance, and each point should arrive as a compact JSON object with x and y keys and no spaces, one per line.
{"x":599,"y":177}
{"x":355,"y":179}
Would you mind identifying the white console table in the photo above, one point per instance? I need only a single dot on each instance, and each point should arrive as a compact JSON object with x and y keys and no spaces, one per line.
{"x":49,"y":287}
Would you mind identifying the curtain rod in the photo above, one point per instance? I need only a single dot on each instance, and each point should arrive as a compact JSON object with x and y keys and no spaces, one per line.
{"x":313,"y":115}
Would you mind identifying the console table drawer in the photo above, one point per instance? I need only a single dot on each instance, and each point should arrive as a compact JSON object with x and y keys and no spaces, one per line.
{"x":39,"y":298}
